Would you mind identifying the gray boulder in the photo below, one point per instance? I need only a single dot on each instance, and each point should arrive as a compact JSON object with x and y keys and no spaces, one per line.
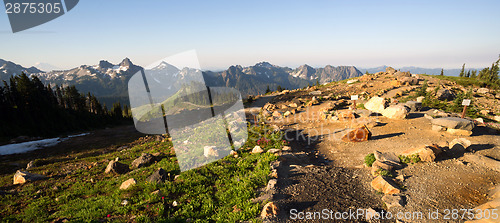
{"x":454,"y":123}
{"x":409,"y":81}
{"x":141,"y":161}
{"x":445,"y":94}
{"x":159,"y":176}
{"x":116,"y":167}
{"x":414,"y":105}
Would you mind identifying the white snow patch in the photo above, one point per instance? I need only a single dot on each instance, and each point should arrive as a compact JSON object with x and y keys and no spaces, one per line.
{"x":33,"y":145}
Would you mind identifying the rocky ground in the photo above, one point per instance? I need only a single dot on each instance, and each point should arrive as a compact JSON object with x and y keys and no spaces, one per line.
{"x":323,"y":171}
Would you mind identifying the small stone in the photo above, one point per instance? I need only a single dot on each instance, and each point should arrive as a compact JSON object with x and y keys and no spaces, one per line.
{"x":127,"y":184}
{"x":30,"y":165}
{"x":271,"y":184}
{"x":360,"y":134}
{"x":385,"y":185}
{"x":124,"y":202}
{"x":438,"y":128}
{"x":287,"y":113}
{"x":393,"y":201}
{"x":274,"y":173}
{"x":459,"y":132}
{"x":175,"y":204}
{"x":22,"y":177}
{"x":116,"y":167}
{"x":346,"y":115}
{"x":483,"y":90}
{"x":286,"y":148}
{"x":117,"y":159}
{"x":273,"y":151}
{"x":210,"y":151}
{"x":233,"y":153}
{"x":386,"y":156}
{"x":257,"y":149}
{"x":479,"y":120}
{"x":420,"y":99}
{"x":269,"y":210}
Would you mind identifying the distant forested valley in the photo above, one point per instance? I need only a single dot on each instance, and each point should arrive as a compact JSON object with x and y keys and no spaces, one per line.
{"x":30,"y":108}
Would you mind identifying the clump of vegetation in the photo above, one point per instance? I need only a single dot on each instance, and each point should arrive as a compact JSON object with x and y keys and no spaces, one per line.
{"x":383,"y":172}
{"x":219,"y":191}
{"x":360,"y":106}
{"x":369,"y":159}
{"x":413,"y":158}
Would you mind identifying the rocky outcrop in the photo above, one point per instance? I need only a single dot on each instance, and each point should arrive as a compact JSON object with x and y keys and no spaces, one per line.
{"x":454,"y":123}
{"x":22,"y":177}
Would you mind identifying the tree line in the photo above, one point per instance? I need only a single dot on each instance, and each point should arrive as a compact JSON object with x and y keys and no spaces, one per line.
{"x":488,"y":74}
{"x":28,"y":107}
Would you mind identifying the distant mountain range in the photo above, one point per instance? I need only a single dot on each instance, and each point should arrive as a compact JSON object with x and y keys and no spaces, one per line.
{"x":109,"y":81}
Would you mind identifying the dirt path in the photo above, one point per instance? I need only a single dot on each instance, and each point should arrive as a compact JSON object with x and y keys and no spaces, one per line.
{"x":325,"y":173}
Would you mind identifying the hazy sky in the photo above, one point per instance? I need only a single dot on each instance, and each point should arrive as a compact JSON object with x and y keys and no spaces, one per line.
{"x":287,"y":33}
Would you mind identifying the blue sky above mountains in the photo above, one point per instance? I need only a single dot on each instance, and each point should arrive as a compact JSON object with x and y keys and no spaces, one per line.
{"x":286,"y":33}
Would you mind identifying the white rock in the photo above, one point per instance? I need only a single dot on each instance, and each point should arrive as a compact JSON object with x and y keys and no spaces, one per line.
{"x":127,"y":184}
{"x":209,"y":151}
{"x":483,"y":90}
{"x":460,"y":144}
{"x":257,"y":149}
{"x":375,"y":104}
{"x":396,"y":112}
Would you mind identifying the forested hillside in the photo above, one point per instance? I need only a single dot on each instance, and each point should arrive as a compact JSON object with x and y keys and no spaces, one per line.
{"x":28,"y":107}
